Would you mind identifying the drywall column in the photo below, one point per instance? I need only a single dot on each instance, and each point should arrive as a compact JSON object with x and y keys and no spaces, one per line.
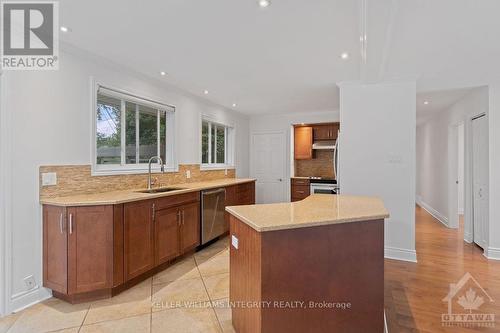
{"x":377,"y":155}
{"x":493,"y":251}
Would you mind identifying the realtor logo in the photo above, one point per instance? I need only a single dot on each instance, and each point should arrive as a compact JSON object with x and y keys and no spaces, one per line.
{"x":29,"y":35}
{"x":469,"y":294}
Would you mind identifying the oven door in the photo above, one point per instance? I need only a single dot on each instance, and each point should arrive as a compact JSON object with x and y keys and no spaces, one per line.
{"x":323,"y":189}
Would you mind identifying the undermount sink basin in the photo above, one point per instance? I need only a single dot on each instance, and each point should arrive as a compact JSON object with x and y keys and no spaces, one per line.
{"x":161,"y":190}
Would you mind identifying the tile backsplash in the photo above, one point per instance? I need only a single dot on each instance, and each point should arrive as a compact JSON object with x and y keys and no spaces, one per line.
{"x":77,"y":179}
{"x":320,"y":166}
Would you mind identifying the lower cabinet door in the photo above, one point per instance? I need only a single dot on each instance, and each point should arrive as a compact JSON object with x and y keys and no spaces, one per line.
{"x":90,"y":248}
{"x":55,"y":249}
{"x":138,"y":249}
{"x":190,"y":228}
{"x":167,"y":235}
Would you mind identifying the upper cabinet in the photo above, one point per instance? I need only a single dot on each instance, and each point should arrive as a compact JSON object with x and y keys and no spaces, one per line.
{"x":325,"y":131}
{"x":303,"y":136}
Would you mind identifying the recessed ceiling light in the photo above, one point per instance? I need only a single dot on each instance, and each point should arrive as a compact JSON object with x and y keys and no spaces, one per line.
{"x":426,"y":102}
{"x":264,"y":3}
{"x":344,"y":56}
{"x":162,"y":73}
{"x":65,"y":29}
{"x":205,"y":92}
{"x":234,"y":105}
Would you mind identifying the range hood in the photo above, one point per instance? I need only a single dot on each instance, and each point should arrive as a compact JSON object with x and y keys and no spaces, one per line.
{"x":324,"y":145}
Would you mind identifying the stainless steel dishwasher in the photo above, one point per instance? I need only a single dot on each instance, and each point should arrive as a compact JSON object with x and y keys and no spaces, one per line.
{"x":213,"y":203}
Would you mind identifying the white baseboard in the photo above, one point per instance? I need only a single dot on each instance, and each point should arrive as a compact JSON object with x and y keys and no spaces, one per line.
{"x":468,"y":237}
{"x":400,"y":254}
{"x":437,"y":215}
{"x":492,"y":253}
{"x":28,"y":299}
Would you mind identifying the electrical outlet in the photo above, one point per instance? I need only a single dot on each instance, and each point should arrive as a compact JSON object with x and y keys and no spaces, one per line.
{"x":30,"y":282}
{"x":225,"y":172}
{"x":188,"y":174}
{"x":49,"y":179}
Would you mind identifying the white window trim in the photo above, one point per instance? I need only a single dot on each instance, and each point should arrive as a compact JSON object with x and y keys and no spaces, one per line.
{"x":230,"y":145}
{"x":171,"y":164}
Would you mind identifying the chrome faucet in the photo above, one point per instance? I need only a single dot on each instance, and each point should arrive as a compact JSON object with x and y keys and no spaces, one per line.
{"x":158,"y":158}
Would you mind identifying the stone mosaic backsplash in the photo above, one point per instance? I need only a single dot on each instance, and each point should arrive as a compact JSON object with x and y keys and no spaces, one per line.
{"x":77,"y":179}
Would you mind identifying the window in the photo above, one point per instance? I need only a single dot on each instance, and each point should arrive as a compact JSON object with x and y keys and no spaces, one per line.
{"x":129,"y":131}
{"x":216,"y":145}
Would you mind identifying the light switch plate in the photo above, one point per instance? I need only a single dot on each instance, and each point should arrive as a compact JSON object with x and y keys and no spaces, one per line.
{"x":49,"y":179}
{"x":225,"y":172}
{"x":234,"y":242}
{"x":188,"y":174}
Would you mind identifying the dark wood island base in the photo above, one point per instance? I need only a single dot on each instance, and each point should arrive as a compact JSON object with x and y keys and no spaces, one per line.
{"x":327,"y":278}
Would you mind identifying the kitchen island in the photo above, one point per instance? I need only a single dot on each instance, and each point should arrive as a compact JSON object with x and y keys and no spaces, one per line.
{"x":315,"y":265}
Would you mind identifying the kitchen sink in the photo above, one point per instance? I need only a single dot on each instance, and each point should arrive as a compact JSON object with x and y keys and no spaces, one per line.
{"x":161,"y":190}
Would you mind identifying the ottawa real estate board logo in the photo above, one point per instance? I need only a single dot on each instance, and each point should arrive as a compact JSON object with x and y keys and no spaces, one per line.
{"x":30,"y":35}
{"x":466,"y":302}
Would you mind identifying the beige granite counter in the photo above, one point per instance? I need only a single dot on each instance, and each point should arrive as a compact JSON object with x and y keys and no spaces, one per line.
{"x":315,"y":210}
{"x":118,"y":197}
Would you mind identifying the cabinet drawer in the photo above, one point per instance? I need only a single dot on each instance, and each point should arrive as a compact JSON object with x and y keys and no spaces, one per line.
{"x":175,"y":200}
{"x":300,"y":181}
{"x":300,"y":191}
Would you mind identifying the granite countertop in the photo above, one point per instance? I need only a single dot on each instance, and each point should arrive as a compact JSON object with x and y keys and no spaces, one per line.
{"x":118,"y":197}
{"x":315,"y":210}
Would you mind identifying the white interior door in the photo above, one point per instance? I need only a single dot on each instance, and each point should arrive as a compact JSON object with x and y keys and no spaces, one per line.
{"x":268,"y":166}
{"x":480,"y":180}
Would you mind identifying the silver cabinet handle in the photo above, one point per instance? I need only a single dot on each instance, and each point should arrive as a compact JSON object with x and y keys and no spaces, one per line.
{"x":301,"y":192}
{"x":61,"y":222}
{"x":70,"y":224}
{"x":153,"y":215}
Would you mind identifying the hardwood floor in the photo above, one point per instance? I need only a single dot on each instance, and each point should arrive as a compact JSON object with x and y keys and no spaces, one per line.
{"x":414,"y":292}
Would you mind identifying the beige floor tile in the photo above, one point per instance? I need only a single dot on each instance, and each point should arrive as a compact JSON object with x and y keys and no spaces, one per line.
{"x":50,"y":315}
{"x":7,"y":321}
{"x":217,"y":285}
{"x":223,"y":312}
{"x":178,"y":293}
{"x":68,"y":330}
{"x":137,"y":324}
{"x":210,"y":251}
{"x":132,"y":302}
{"x":216,"y":265}
{"x":180,"y":320}
{"x":185,"y":269}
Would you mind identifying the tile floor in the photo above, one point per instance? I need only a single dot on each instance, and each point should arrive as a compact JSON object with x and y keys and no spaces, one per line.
{"x":190,"y":296}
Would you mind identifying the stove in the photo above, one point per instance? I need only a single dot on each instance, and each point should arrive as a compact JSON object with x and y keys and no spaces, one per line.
{"x":320,"y":185}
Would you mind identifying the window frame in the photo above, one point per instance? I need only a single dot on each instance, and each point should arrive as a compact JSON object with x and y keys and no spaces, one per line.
{"x":138,"y":168}
{"x":229,"y":138}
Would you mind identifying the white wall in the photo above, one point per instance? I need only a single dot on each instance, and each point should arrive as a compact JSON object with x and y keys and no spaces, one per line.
{"x":50,"y":123}
{"x":377,"y":155}
{"x":434,"y":155}
{"x":283,"y":123}
{"x":461,"y":168}
{"x":494,"y":170}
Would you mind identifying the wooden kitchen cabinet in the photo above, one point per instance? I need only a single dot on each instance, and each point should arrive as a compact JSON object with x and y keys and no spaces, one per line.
{"x":300,"y":189}
{"x":242,"y":194}
{"x":167,"y":237}
{"x":322,"y":132}
{"x":55,"y":249}
{"x":138,"y":244}
{"x":190,"y":226}
{"x":78,"y":249}
{"x":90,"y":250}
{"x":93,"y":252}
{"x":303,"y":141}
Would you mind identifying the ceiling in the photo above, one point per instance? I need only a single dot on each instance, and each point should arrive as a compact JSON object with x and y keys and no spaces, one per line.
{"x":286,"y":58}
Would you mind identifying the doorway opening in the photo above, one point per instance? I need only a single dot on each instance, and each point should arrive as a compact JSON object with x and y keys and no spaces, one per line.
{"x":468,"y":179}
